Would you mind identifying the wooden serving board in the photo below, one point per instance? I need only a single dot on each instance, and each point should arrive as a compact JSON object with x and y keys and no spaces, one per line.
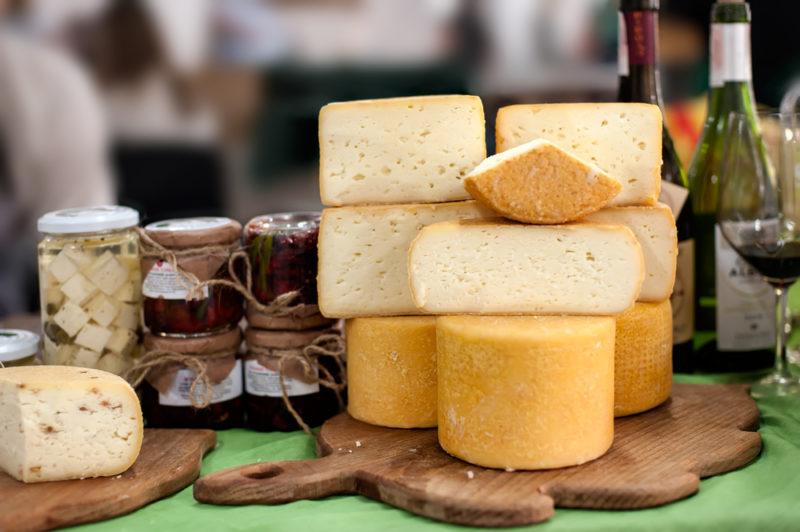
{"x":657,"y":457}
{"x":169,"y":461}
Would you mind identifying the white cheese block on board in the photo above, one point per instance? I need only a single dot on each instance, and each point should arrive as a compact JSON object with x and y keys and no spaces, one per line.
{"x":363,"y":255}
{"x":624,"y":139}
{"x":495,"y":267}
{"x":62,"y":423}
{"x":399,"y":150}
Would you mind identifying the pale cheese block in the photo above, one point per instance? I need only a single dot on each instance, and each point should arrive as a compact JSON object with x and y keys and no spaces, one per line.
{"x":525,"y":392}
{"x":539,"y":183}
{"x":655,"y":230}
{"x":62,"y":423}
{"x":643,"y":358}
{"x":496,"y":267}
{"x":363,"y":255}
{"x":399,"y":150}
{"x":624,"y":139}
{"x":391,"y":371}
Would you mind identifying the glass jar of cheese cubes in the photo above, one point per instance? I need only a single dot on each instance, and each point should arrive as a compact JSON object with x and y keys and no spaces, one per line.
{"x":89,"y":283}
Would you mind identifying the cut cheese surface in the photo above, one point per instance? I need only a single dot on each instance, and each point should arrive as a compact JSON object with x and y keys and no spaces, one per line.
{"x":63,"y":423}
{"x":525,"y":392}
{"x":643,"y":358}
{"x":399,"y":150}
{"x":493,"y":267}
{"x":391,"y":371}
{"x":655,"y":230}
{"x":363,"y":255}
{"x":624,"y":139}
{"x":538,"y":182}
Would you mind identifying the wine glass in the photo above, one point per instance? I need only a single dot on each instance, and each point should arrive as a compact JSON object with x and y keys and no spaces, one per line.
{"x":759,"y":217}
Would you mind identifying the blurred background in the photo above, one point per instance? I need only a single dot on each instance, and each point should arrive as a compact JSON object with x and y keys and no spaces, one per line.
{"x":188,"y":107}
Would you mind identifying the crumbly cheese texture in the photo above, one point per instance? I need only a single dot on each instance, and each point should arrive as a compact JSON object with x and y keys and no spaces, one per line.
{"x":391,"y":371}
{"x":643,"y":358}
{"x":363,"y":255}
{"x":624,"y":139}
{"x":526,"y":392}
{"x":494,"y":267}
{"x":539,"y":183}
{"x":655,"y":230}
{"x":399,"y":150}
{"x":60,"y":423}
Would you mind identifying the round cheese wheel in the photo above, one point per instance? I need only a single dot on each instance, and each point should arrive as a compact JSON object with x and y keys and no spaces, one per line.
{"x":391,"y":368}
{"x":526,"y":392}
{"x":643,"y":358}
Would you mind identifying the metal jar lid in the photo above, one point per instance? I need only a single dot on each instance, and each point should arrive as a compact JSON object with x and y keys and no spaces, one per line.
{"x":88,"y":220}
{"x":16,"y":344}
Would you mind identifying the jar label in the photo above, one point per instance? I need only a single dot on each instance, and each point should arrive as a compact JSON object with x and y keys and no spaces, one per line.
{"x":622,"y":46}
{"x":730,"y":53}
{"x":178,"y":394}
{"x":682,"y":298}
{"x":640,"y":28}
{"x":265,"y":382}
{"x":164,"y":282}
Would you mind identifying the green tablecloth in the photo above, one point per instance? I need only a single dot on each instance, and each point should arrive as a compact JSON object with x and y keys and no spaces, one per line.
{"x":763,"y":496}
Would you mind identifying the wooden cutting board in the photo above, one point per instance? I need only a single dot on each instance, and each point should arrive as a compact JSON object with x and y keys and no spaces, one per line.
{"x":657,"y":457}
{"x":169,"y":461}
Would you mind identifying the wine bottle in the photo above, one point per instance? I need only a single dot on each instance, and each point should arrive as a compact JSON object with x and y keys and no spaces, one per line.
{"x":731,"y":298}
{"x":639,"y":81}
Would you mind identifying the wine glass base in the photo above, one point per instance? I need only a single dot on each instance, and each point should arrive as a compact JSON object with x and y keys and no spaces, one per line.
{"x":776,"y":385}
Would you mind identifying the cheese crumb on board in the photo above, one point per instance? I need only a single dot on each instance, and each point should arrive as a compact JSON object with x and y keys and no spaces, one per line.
{"x":525,"y":392}
{"x":62,"y":423}
{"x":539,"y":183}
{"x":399,"y":150}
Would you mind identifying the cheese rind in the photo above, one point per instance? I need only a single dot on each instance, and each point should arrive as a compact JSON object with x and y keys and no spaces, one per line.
{"x":525,"y":392}
{"x":391,"y":371}
{"x":624,"y":139}
{"x":399,"y":150}
{"x":62,"y":423}
{"x":539,"y":183}
{"x":363,"y":255}
{"x":494,"y":267}
{"x":643,"y":358}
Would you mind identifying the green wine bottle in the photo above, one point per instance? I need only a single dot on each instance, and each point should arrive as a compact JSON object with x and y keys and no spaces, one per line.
{"x":731,"y":298}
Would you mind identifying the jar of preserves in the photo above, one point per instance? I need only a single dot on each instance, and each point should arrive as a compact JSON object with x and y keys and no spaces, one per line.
{"x":172,"y":394}
{"x":201,"y":247}
{"x":18,"y":348}
{"x":90,"y":280}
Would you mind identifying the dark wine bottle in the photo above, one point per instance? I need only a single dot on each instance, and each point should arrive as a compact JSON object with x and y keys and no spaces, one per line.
{"x":639,"y":81}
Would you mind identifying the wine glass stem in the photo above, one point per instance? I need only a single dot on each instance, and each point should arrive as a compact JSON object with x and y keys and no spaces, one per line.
{"x":781,"y":365}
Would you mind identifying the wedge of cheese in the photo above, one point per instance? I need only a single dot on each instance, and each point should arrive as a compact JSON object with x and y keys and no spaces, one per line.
{"x":62,"y":423}
{"x":525,"y":392}
{"x":363,"y":255}
{"x":495,"y":267}
{"x":655,"y":230}
{"x":624,"y":139}
{"x":391,"y":371}
{"x":399,"y":150}
{"x":539,"y":183}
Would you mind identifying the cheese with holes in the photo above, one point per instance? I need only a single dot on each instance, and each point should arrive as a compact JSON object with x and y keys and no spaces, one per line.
{"x":494,"y":267}
{"x":399,"y":150}
{"x":525,"y":392}
{"x":538,"y":182}
{"x":643,"y":358}
{"x":62,"y":423}
{"x":391,"y":371}
{"x":655,"y":230}
{"x":363,"y":254}
{"x":624,"y":139}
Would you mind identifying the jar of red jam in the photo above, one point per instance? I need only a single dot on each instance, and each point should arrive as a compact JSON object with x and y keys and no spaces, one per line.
{"x":264,"y":403}
{"x":283,"y":254}
{"x":167,"y":399}
{"x":201,"y":246}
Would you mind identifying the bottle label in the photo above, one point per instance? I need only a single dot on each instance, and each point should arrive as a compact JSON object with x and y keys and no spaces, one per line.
{"x":622,"y":46}
{"x":682,"y":298}
{"x":266,"y":382}
{"x":730,"y":53}
{"x":745,"y":302}
{"x":162,"y":281}
{"x":674,"y":196}
{"x":640,"y":27}
{"x":178,"y":394}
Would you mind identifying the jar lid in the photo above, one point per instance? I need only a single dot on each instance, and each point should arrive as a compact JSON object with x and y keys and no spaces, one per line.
{"x":181,"y":233}
{"x":88,"y":219}
{"x":283,"y":339}
{"x":284,"y":221}
{"x":16,"y":344}
{"x":195,"y":345}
